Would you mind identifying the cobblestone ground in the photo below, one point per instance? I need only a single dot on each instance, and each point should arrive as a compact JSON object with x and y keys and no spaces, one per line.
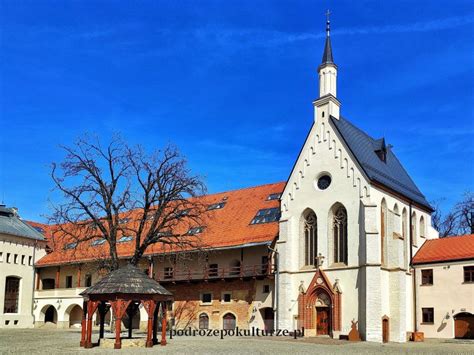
{"x":49,"y":341}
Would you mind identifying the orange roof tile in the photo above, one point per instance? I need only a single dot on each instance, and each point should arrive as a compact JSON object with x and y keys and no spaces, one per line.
{"x":226,"y":227}
{"x":446,"y":249}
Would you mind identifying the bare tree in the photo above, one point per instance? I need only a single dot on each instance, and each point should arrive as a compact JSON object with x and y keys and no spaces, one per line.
{"x":460,"y":220}
{"x":464,"y":209}
{"x":117,"y":190}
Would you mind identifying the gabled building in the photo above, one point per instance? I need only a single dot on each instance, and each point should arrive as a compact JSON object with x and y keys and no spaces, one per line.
{"x":351,"y":220}
{"x":21,"y":245}
{"x":444,"y":270}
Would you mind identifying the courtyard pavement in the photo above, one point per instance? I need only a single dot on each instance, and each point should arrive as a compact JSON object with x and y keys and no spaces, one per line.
{"x":52,"y":341}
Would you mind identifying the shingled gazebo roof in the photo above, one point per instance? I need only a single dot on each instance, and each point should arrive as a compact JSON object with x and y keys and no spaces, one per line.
{"x":128,"y":280}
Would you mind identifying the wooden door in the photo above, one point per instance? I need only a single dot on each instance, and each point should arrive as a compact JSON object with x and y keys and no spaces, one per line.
{"x":464,"y":326}
{"x":385,"y":330}
{"x":322,"y":321}
{"x":268,"y":319}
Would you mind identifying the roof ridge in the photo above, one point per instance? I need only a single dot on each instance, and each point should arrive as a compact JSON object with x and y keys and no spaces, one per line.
{"x":243,"y":188}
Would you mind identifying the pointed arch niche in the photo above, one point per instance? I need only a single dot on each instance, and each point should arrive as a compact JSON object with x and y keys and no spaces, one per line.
{"x":338,"y":234}
{"x":320,"y":300}
{"x":309,"y":238}
{"x":383,"y":232}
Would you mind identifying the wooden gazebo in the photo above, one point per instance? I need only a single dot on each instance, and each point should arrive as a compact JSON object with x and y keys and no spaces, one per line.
{"x":123,"y":290}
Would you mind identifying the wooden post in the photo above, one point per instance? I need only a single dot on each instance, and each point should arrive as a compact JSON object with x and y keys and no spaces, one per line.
{"x":150,"y":307}
{"x":79,"y":276}
{"x":119,"y":307}
{"x":163,"y":325}
{"x":83,"y":323}
{"x":38,"y":278}
{"x":58,"y":274}
{"x":91,"y":307}
{"x":150,"y":268}
{"x":118,"y":340}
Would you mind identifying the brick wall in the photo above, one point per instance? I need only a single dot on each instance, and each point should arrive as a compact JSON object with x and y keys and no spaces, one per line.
{"x":188,"y":306}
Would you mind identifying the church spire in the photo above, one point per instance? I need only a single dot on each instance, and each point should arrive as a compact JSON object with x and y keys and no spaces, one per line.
{"x":327,"y":105}
{"x":327,"y":55}
{"x":328,"y":69}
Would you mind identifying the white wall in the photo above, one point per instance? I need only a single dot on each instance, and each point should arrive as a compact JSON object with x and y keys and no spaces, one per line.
{"x":22,"y":249}
{"x":448,"y":295}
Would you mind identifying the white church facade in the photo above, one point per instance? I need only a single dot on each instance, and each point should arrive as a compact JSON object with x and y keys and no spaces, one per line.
{"x":351,"y":219}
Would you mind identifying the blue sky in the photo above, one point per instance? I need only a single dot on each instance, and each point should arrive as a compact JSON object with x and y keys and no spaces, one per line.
{"x":231,"y":83}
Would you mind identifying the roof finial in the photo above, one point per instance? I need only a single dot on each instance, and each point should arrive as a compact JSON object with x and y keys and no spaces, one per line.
{"x":328,"y":22}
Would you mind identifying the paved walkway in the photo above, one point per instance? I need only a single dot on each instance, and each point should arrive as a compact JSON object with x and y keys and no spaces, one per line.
{"x":52,"y":341}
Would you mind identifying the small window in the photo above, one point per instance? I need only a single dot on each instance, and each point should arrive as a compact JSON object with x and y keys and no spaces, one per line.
{"x":203,"y":321}
{"x":274,"y":196}
{"x":1,"y":257}
{"x":195,"y":230}
{"x":168,"y":274}
{"x":124,"y":220}
{"x":266,"y":288}
{"x":213,"y":270}
{"x":96,"y":242}
{"x":324,"y":182}
{"x":206,"y":298}
{"x":71,"y":245}
{"x":125,"y":239}
{"x":428,"y":315}
{"x":226,"y":297}
{"x":23,"y":257}
{"x":8,"y":258}
{"x":322,"y":114}
{"x":15,"y":259}
{"x":183,"y":213}
{"x":68,"y":281}
{"x":216,"y":206}
{"x":30,"y":260}
{"x":266,"y":215}
{"x":39,"y":229}
{"x":88,"y":280}
{"x":427,"y":277}
{"x":468,"y":273}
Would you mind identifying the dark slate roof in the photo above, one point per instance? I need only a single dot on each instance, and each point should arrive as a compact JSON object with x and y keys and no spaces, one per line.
{"x":389,"y":173}
{"x":327,"y":55}
{"x":127,"y":280}
{"x":11,"y":224}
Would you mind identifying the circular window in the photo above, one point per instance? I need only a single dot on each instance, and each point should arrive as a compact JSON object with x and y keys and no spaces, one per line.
{"x":324,"y":181}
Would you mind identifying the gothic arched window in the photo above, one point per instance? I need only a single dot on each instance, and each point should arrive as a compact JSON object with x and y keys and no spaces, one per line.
{"x":383,"y":231}
{"x":413,"y":230}
{"x":422,"y":227}
{"x":310,"y":230}
{"x":340,"y":234}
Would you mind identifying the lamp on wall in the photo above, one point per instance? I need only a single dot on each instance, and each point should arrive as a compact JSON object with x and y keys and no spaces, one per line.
{"x":59,"y":302}
{"x":447,"y":315}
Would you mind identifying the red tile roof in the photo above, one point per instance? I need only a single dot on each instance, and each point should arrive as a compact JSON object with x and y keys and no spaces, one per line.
{"x":226,"y":227}
{"x":446,"y":249}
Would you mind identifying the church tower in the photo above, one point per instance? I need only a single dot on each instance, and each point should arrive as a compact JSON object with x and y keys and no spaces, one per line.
{"x":327,"y":104}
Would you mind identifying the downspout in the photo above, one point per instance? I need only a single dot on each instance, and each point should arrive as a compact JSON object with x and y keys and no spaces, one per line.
{"x":415,"y":325}
{"x":277,"y":284}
